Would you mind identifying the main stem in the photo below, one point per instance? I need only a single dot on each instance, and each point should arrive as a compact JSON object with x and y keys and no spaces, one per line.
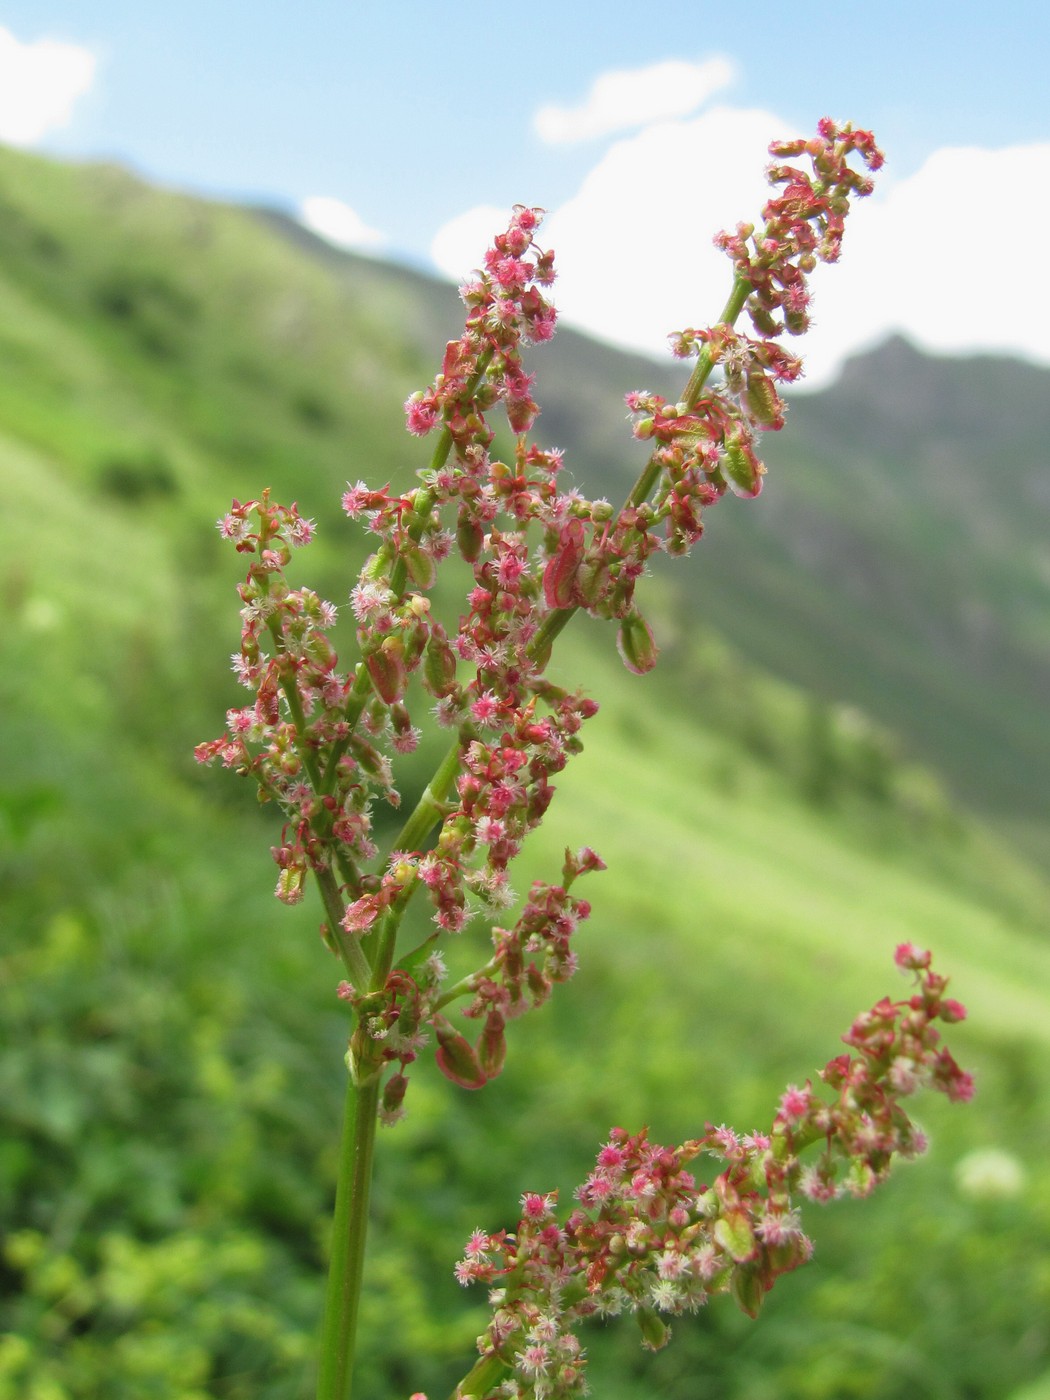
{"x":349,"y":1231}
{"x":350,"y":1223}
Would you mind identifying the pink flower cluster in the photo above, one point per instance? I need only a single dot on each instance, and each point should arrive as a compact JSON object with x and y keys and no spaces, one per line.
{"x":527,"y":961}
{"x":504,"y":307}
{"x":323,"y":744}
{"x":706,"y":443}
{"x":298,"y":738}
{"x":648,"y":1238}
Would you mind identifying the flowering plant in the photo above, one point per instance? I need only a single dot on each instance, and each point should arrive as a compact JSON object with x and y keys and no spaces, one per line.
{"x":322,"y":746}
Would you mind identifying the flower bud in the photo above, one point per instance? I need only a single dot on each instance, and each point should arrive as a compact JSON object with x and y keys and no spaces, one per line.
{"x":455,"y":1057}
{"x":492,"y":1045}
{"x":748,"y":1290}
{"x":742,"y":470}
{"x":559,"y":576}
{"x":636,"y":644}
{"x":655,"y":1332}
{"x":386,"y":666}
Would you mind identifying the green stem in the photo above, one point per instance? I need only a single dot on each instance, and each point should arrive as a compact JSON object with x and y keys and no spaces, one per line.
{"x":353,"y":1186}
{"x":431,"y":806}
{"x":355,"y":1166}
{"x":704,"y":364}
{"x":349,"y":1231}
{"x":466,"y":985}
{"x":428,"y":810}
{"x":350,"y":950}
{"x":481,"y":1378}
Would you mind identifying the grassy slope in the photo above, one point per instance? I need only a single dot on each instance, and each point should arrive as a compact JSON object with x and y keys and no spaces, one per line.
{"x":734,"y":936}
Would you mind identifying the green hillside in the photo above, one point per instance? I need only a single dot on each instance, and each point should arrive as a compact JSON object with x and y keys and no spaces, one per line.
{"x":849,"y":692}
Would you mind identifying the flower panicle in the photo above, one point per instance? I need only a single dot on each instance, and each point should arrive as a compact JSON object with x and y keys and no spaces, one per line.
{"x":323,"y":743}
{"x":647,"y":1237}
{"x":708,"y":442}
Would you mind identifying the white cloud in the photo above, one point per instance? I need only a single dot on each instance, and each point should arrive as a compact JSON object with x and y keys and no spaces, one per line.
{"x":625,"y":98}
{"x":946,"y":256}
{"x":338,"y":223}
{"x":39,"y":86}
{"x":459,"y":246}
{"x":634,"y":245}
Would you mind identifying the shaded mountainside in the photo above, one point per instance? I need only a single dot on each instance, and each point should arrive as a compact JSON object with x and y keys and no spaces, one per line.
{"x":898,"y":559}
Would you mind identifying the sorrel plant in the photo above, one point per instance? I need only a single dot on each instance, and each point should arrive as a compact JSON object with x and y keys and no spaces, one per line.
{"x":321,"y":743}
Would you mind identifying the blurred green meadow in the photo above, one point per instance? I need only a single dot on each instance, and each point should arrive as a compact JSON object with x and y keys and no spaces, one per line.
{"x":833,"y":756}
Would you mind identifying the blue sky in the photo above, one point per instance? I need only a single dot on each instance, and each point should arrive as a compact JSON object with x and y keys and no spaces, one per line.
{"x":407,"y":117}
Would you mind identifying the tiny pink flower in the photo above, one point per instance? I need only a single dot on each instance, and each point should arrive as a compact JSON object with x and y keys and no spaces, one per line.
{"x":489,"y":831}
{"x":233,"y":527}
{"x":357,"y":499}
{"x":670,"y":1264}
{"x":485,"y":709}
{"x":535,"y":1359}
{"x":478,"y":1246}
{"x":794,"y":1103}
{"x":537,"y":1207}
{"x":300,"y":531}
{"x":421,"y":415}
{"x":911,"y":959}
{"x":367,"y":599}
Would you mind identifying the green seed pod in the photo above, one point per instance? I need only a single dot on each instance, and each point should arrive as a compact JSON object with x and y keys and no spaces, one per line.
{"x":469,"y":537}
{"x":439,"y":664}
{"x":492,"y":1045}
{"x":559,"y":575}
{"x":421,"y":567}
{"x":386,"y":667}
{"x":655,"y":1331}
{"x":742,"y":470}
{"x":763,"y":400}
{"x":764,"y":320}
{"x":394,"y":1093}
{"x":733,"y":1232}
{"x":636,"y":644}
{"x":748,"y":1290}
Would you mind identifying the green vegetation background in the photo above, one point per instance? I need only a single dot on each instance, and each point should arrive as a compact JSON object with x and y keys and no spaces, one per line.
{"x":844,"y":746}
